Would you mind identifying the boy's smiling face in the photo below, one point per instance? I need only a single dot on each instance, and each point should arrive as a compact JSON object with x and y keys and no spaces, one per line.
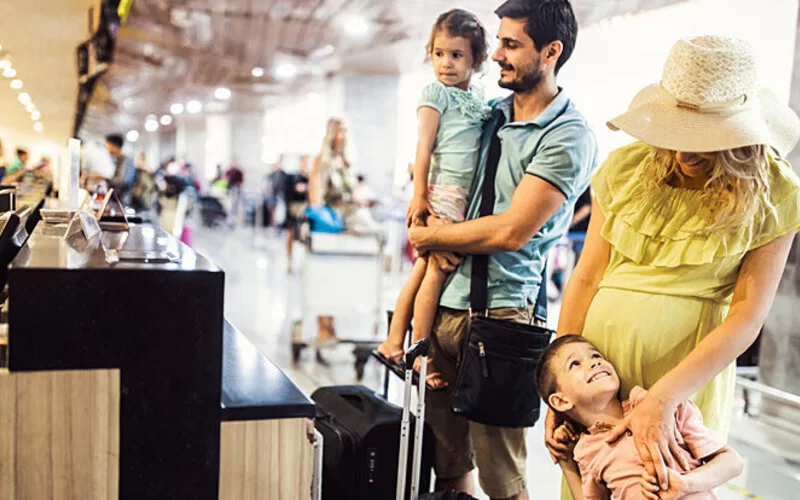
{"x":584,"y":378}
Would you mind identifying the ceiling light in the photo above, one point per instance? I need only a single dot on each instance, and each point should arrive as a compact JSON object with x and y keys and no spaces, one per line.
{"x":222,"y":93}
{"x":36,"y":116}
{"x":151,"y":125}
{"x":166,"y":120}
{"x":286,"y":70}
{"x":24,"y":98}
{"x":9,"y":72}
{"x":30,"y":108}
{"x":5,"y":64}
{"x":148,"y":50}
{"x":38,"y":126}
{"x":176,"y":108}
{"x":356,"y":26}
{"x":128,"y":103}
{"x":132,"y":136}
{"x":258,"y":72}
{"x":16,"y":84}
{"x":194,"y":106}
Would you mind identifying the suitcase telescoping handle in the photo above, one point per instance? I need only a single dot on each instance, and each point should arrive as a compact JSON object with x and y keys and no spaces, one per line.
{"x":416,"y":350}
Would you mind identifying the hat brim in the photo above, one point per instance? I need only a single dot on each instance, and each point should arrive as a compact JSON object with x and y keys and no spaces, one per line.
{"x":657,"y":122}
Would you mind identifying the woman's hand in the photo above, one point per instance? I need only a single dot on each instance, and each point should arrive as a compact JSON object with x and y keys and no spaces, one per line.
{"x":652,"y":423}
{"x":556,"y":442}
{"x":418,"y":209}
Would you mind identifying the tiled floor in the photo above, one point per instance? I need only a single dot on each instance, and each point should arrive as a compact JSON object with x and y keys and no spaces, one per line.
{"x":264,"y":302}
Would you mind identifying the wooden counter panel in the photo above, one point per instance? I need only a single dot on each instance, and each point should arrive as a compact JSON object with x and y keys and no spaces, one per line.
{"x":266,"y":459}
{"x":59,"y":435}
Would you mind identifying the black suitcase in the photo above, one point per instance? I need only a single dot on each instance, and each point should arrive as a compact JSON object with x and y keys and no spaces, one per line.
{"x":361,"y":442}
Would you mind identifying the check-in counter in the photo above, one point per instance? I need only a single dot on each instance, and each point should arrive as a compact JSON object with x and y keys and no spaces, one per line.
{"x":201,"y":413}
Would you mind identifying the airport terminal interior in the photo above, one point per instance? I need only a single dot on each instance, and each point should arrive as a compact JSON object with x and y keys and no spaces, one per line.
{"x":211,"y":214}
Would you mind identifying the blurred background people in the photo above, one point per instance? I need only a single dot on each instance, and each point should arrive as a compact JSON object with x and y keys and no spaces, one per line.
{"x":124,"y":169}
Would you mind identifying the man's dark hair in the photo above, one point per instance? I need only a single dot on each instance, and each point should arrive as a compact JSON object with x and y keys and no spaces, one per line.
{"x":360,"y":178}
{"x":21,"y":152}
{"x":545,"y":22}
{"x":546,"y":383}
{"x":115,"y":139}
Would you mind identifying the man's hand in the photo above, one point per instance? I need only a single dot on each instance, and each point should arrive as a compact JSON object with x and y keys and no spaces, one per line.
{"x":447,"y":261}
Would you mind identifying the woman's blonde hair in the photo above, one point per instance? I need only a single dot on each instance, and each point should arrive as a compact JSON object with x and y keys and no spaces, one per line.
{"x":736,"y":193}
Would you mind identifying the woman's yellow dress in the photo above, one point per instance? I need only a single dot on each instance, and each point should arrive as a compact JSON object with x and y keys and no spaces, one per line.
{"x":669,"y":282}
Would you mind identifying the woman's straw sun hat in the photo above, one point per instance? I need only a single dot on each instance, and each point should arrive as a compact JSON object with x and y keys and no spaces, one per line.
{"x":708,"y":100}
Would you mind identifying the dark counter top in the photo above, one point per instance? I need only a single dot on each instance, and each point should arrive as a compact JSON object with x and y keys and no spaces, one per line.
{"x":54,"y":252}
{"x":253,"y":388}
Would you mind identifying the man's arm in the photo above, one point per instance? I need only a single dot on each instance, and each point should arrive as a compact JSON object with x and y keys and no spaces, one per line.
{"x":565,"y":155}
{"x":534,"y":202}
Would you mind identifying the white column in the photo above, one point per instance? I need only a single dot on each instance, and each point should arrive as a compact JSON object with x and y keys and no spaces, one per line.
{"x":218,"y":143}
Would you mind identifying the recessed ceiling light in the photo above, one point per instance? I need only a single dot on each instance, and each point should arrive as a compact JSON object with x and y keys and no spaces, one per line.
{"x":132,"y":136}
{"x":286,"y":70}
{"x":176,"y":108}
{"x":151,"y":125}
{"x":166,"y":120}
{"x":5,"y":64}
{"x":356,"y":26}
{"x":194,"y":106}
{"x":9,"y":72}
{"x":128,"y":103}
{"x":30,"y":108}
{"x":24,"y":98}
{"x":16,"y":84}
{"x":222,"y":93}
{"x":36,"y":116}
{"x":258,"y":72}
{"x":38,"y":126}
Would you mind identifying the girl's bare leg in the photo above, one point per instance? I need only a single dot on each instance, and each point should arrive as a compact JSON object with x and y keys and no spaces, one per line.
{"x":425,"y":307}
{"x":392,"y":347}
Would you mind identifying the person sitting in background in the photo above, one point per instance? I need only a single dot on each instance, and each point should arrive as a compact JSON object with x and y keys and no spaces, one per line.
{"x":576,"y":381}
{"x":124,"y":169}
{"x":16,"y":169}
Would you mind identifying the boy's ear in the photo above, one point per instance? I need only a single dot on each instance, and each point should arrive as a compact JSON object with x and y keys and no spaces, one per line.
{"x":560,"y":402}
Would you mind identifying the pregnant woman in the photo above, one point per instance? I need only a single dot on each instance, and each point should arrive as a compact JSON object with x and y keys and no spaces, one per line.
{"x":689,"y":235}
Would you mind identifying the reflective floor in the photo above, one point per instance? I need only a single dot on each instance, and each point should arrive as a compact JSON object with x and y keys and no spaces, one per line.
{"x":265,"y":302}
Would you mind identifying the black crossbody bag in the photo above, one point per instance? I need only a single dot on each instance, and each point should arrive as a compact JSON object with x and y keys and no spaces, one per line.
{"x":497,"y":378}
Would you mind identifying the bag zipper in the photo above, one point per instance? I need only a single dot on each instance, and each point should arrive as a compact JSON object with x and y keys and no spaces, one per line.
{"x":500,"y":353}
{"x":484,"y":365}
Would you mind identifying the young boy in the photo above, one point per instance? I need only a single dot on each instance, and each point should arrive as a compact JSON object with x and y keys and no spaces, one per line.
{"x":576,"y":381}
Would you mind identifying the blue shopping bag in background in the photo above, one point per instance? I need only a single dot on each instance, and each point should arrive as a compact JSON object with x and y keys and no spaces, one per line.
{"x":324,"y":220}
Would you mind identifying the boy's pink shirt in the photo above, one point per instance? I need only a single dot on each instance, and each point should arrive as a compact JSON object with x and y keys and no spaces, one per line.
{"x":615,"y":469}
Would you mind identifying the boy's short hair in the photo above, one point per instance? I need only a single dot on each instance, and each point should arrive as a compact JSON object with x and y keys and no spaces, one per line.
{"x":546,"y":383}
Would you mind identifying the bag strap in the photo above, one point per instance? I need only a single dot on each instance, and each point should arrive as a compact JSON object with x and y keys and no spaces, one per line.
{"x":479,"y":282}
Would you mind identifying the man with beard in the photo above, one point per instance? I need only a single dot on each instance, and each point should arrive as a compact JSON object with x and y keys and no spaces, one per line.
{"x":547,"y":155}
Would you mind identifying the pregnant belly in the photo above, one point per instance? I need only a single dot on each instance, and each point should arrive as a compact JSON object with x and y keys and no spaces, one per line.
{"x":645,"y":335}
